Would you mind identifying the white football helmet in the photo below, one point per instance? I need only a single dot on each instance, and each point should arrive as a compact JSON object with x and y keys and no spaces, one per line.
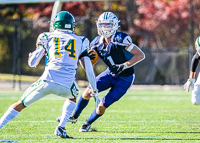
{"x":197,"y":44}
{"x":107,"y":24}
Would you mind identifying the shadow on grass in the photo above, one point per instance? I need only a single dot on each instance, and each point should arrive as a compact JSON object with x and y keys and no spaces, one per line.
{"x":107,"y":138}
{"x":138,"y":139}
{"x":146,"y":137}
{"x":154,"y":139}
{"x":183,"y":132}
{"x":149,"y":132}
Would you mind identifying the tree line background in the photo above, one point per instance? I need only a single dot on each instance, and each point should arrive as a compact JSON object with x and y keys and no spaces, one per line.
{"x":161,"y":28}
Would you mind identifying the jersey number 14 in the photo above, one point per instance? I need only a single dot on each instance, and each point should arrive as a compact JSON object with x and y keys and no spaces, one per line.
{"x":69,"y":47}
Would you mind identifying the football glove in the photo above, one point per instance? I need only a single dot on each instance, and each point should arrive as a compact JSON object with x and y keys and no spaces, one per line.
{"x":188,"y":84}
{"x":91,"y":56}
{"x":117,"y":69}
{"x":30,"y":54}
{"x":96,"y":98}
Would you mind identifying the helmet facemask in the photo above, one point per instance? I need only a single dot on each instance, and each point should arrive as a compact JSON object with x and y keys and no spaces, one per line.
{"x":107,"y":27}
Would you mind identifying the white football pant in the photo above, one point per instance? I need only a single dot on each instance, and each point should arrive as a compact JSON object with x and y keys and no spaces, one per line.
{"x":41,"y":88}
{"x":195,"y":98}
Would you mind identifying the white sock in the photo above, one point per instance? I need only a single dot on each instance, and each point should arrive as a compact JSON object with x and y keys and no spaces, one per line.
{"x":8,"y":115}
{"x":67,"y":110}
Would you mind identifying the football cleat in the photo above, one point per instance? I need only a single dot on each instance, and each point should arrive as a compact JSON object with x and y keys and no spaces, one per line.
{"x":60,"y":131}
{"x":58,"y":119}
{"x":85,"y":127}
{"x":71,"y":119}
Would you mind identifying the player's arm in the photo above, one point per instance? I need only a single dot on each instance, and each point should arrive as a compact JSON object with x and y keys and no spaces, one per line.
{"x":87,"y":66}
{"x":36,"y":56}
{"x":138,"y":55}
{"x":195,"y":59}
{"x":193,"y":67}
{"x":85,"y":62}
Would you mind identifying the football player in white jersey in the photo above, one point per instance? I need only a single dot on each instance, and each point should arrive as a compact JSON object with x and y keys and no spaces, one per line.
{"x":195,"y":97}
{"x":63,"y":49}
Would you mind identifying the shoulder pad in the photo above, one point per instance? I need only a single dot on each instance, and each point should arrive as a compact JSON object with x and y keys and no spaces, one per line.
{"x":122,"y":39}
{"x":42,"y":39}
{"x":85,"y":43}
{"x":96,"y":41}
{"x":44,"y":35}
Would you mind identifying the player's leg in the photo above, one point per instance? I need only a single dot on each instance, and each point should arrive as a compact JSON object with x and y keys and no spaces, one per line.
{"x":31,"y":95}
{"x":11,"y":113}
{"x":103,"y":83}
{"x":118,"y":89}
{"x":82,"y":103}
{"x":98,"y":112}
{"x":67,"y":109}
{"x":195,"y":97}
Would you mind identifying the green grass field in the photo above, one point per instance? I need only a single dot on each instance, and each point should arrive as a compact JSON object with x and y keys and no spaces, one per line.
{"x":140,"y":116}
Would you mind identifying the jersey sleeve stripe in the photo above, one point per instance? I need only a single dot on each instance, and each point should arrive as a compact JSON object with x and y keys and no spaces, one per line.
{"x":46,"y":36}
{"x":83,"y":39}
{"x":128,"y":40}
{"x":40,"y":45}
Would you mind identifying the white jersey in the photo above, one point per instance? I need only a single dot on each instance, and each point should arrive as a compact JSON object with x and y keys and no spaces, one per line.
{"x":63,"y":51}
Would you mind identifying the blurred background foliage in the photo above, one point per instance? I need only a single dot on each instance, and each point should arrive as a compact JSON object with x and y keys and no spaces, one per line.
{"x":157,"y":25}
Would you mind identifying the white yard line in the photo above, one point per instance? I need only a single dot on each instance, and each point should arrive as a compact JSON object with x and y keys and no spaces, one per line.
{"x":145,"y":121}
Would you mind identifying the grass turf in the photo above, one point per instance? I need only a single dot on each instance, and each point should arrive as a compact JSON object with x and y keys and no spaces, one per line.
{"x":140,"y":116}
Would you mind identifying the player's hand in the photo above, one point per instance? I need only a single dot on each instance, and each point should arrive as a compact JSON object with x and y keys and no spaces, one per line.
{"x":29,"y":55}
{"x":117,"y":69}
{"x":188,"y":84}
{"x":95,"y":95}
{"x":91,"y":56}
